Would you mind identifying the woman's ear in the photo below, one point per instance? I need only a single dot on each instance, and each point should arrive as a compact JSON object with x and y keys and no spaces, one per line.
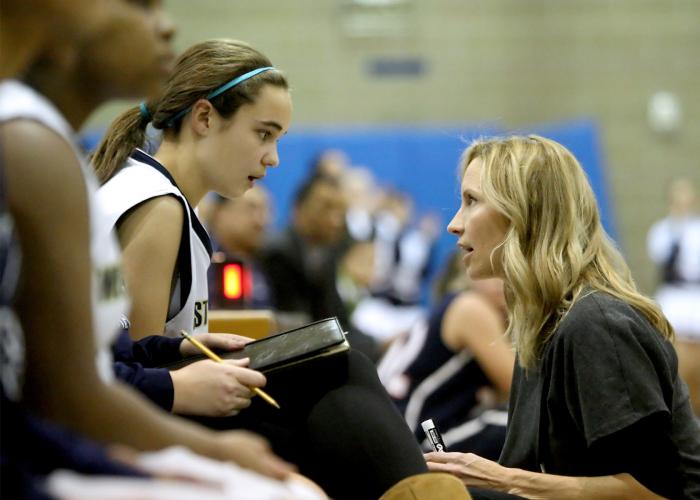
{"x":202,"y":117}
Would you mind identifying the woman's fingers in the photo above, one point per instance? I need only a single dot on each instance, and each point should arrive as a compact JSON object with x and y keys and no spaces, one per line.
{"x":444,"y":457}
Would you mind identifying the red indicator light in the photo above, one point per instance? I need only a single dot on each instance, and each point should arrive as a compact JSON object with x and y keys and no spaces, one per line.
{"x":233,"y":281}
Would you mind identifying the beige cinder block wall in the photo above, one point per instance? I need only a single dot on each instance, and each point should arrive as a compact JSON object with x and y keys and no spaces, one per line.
{"x":512,"y":61}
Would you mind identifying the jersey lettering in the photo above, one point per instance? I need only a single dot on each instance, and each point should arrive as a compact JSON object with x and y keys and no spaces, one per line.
{"x":200,"y":312}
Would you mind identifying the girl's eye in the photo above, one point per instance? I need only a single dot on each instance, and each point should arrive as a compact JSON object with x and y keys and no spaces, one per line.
{"x":470,"y":200}
{"x":264,"y":135}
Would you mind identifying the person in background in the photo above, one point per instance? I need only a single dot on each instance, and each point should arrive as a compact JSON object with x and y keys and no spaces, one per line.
{"x":673,"y":244}
{"x":238,"y":228}
{"x":301,"y":263}
{"x":392,"y":218}
{"x":414,"y":255}
{"x":597,"y":408}
{"x":332,"y":163}
{"x":456,"y":367}
{"x":355,"y":274}
{"x":363,"y":195}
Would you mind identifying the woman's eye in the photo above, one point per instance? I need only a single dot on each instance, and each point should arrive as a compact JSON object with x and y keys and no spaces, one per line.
{"x":469,"y":200}
{"x":264,"y":135}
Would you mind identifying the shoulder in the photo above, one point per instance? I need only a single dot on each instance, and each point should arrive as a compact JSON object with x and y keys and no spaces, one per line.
{"x":609,"y":366}
{"x":33,"y":139}
{"x":601,"y":310}
{"x":692,"y":228}
{"x":162,"y":211}
{"x":155,"y":224}
{"x":46,"y":189}
{"x":136,"y":179}
{"x":161,"y":208}
{"x":137,"y":185}
{"x":467,"y":317}
{"x":467,"y":306}
{"x":37,"y":160}
{"x":660,"y":226}
{"x":601,"y":326}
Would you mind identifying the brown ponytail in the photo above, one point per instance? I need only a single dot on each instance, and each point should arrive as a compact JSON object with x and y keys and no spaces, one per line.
{"x":201,"y":69}
{"x":125,"y":134}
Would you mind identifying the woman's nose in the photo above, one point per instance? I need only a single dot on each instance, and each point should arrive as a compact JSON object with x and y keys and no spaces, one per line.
{"x":455,"y":225}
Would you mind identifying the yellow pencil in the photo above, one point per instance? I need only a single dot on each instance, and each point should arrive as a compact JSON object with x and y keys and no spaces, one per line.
{"x":213,"y":356}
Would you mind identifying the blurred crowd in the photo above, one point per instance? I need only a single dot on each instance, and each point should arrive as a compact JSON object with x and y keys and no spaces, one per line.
{"x":352,"y":248}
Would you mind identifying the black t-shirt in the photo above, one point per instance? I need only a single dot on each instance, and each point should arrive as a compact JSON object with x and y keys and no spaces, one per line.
{"x":604,"y":399}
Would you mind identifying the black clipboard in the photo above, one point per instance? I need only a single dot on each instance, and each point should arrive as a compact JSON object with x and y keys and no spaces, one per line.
{"x":299,"y":345}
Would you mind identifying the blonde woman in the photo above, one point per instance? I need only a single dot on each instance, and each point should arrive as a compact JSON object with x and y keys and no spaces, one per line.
{"x":597,"y":409}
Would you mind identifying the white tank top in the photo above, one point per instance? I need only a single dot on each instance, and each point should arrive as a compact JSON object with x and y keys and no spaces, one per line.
{"x":109,"y":299}
{"x":143,"y":178}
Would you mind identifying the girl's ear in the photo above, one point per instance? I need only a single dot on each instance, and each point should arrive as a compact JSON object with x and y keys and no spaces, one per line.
{"x":202,"y":116}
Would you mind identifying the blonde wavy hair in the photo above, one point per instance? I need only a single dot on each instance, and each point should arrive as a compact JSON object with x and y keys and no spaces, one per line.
{"x":556,"y":247}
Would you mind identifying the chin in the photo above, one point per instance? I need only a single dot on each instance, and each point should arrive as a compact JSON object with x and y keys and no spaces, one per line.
{"x":234,"y":192}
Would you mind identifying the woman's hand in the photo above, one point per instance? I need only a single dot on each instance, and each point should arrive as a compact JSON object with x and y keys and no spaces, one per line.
{"x":215,"y":342}
{"x":471,"y":469}
{"x":211,"y":389}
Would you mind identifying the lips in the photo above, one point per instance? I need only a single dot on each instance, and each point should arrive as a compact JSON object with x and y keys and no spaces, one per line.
{"x":466,"y":248}
{"x":255,"y":177}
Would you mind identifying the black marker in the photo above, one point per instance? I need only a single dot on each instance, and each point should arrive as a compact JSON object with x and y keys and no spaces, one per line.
{"x":433,"y":435}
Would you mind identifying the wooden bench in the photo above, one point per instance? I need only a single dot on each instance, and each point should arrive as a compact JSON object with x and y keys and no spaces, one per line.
{"x":254,"y":323}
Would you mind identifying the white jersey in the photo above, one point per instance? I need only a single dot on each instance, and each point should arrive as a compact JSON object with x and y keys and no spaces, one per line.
{"x":143,"y":178}
{"x":109,"y":300}
{"x":674,"y":244}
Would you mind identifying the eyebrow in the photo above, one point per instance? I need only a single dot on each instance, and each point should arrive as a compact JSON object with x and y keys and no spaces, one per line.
{"x":271,"y":123}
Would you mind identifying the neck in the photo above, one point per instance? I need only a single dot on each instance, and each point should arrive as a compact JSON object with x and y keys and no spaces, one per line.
{"x":179,"y":162}
{"x":64,"y":84}
{"x":75,"y":106}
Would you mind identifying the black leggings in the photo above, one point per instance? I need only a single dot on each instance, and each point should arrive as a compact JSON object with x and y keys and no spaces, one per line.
{"x":337,"y":424}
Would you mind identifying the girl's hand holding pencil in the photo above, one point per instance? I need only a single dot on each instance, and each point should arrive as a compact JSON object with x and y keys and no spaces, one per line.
{"x":214,"y":357}
{"x":212,"y":387}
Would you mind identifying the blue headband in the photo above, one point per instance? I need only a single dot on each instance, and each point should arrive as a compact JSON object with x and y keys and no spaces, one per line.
{"x":144,"y":111}
{"x":221,"y":90}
